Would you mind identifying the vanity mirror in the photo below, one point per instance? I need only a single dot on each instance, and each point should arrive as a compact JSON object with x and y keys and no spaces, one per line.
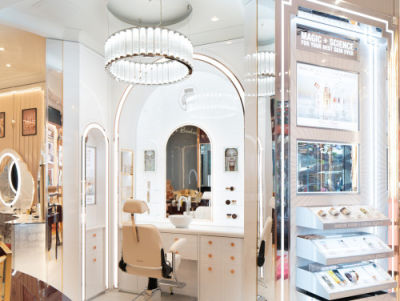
{"x":189,"y":172}
{"x":16,"y":182}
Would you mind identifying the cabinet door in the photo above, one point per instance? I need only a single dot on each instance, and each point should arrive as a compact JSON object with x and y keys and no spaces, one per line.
{"x":210,"y":283}
{"x":232,"y":282}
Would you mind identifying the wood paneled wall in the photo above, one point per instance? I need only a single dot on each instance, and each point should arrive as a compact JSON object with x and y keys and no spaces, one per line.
{"x":30,"y":148}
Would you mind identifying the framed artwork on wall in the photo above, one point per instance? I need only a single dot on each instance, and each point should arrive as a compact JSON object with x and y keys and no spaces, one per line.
{"x":231,"y":159}
{"x":149,"y":160}
{"x":90,"y":175}
{"x":2,"y":124}
{"x":327,"y":98}
{"x":29,"y":122}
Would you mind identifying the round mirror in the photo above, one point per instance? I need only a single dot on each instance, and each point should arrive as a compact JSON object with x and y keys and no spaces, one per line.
{"x":8,"y":179}
{"x":16,"y":182}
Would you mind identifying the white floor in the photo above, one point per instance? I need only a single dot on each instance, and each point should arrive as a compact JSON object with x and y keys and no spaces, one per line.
{"x":118,"y":296}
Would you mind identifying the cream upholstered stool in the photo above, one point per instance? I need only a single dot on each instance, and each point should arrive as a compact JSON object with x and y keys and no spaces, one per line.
{"x":143,"y":255}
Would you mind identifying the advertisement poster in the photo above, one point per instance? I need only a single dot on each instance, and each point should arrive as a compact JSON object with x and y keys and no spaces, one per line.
{"x":327,"y":98}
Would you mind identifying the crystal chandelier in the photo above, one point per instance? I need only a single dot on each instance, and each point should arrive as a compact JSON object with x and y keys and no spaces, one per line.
{"x":148,"y":56}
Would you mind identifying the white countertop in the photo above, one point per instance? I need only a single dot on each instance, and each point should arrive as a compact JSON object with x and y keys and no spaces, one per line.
{"x":196,"y":229}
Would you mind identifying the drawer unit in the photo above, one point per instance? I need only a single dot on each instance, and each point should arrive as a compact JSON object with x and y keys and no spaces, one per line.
{"x":95,"y":262}
{"x":220,"y":268}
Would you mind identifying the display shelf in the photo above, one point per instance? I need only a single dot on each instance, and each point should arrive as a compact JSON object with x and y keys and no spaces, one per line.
{"x":339,"y":217}
{"x":342,"y":281}
{"x":343,"y":248}
{"x":377,"y":296}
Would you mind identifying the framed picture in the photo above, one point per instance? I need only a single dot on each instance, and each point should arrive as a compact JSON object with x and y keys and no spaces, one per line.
{"x":2,"y":124}
{"x":90,"y":175}
{"x":231,"y":159}
{"x":29,"y":122}
{"x":149,"y":160}
{"x":327,"y":98}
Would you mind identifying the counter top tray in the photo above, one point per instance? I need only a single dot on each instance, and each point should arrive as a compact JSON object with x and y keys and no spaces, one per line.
{"x":341,"y":248}
{"x":323,"y":218}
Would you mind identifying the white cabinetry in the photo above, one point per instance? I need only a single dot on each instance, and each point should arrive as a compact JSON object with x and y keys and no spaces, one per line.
{"x":95,"y":283}
{"x":220,"y":268}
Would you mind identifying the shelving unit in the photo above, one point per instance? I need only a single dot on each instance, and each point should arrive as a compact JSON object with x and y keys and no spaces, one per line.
{"x":338,"y":267}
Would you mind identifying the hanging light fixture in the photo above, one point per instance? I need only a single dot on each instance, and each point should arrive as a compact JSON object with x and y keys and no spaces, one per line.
{"x":149,"y":55}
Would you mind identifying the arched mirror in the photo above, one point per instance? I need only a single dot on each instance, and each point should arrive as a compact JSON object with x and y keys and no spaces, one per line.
{"x":188,"y":186}
{"x":16,"y":182}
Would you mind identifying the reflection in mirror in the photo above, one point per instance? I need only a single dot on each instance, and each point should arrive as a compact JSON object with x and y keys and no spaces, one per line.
{"x":189,"y":172}
{"x":326,"y":167}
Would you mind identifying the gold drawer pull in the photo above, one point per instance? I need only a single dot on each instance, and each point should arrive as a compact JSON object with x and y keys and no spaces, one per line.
{"x":94,"y":260}
{"x":210,"y":269}
{"x":176,"y":252}
{"x":210,"y":242}
{"x":94,"y":235}
{"x":176,"y":239}
{"x":94,"y":247}
{"x":232,"y":244}
{"x":232,"y":257}
{"x":209,"y":255}
{"x":232,"y":271}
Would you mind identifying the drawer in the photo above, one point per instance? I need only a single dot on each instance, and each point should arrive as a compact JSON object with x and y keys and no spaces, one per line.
{"x":93,"y":236}
{"x":210,"y":244}
{"x":188,"y":249}
{"x":92,"y":247}
{"x":232,"y":250}
{"x":232,"y":284}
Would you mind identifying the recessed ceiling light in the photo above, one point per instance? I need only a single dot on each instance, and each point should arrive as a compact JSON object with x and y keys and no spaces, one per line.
{"x":215,"y":19}
{"x":228,"y":42}
{"x":8,"y":65}
{"x":2,"y":49}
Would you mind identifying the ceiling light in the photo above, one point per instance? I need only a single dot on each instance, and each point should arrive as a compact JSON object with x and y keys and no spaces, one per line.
{"x":2,"y":49}
{"x":215,"y":19}
{"x":228,"y":42}
{"x":8,"y":65}
{"x":149,"y":56}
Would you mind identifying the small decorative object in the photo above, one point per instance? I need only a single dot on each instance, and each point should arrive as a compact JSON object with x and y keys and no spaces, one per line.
{"x":333,"y":212}
{"x":230,"y":188}
{"x":345,"y":211}
{"x":149,"y":160}
{"x":90,"y":175}
{"x":2,"y":124}
{"x":322,"y":213}
{"x":29,"y":122}
{"x":231,"y":159}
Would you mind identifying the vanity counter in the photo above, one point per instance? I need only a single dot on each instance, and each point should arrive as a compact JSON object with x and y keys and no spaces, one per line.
{"x":25,"y":219}
{"x":197,"y":229}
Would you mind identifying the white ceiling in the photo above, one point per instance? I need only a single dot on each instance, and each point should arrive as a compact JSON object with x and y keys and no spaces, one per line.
{"x":89,"y":22}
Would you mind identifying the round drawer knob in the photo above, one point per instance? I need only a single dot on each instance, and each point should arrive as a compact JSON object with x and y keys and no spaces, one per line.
{"x":232,"y":244}
{"x":209,"y":255}
{"x":210,"y":242}
{"x":232,"y":271}
{"x":210,"y":269}
{"x":232,"y":257}
{"x":176,"y":252}
{"x":94,"y":259}
{"x":94,"y":247}
{"x":176,"y":239}
{"x":94,"y":234}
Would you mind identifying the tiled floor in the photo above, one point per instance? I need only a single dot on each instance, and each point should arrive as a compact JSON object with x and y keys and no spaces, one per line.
{"x":118,"y":296}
